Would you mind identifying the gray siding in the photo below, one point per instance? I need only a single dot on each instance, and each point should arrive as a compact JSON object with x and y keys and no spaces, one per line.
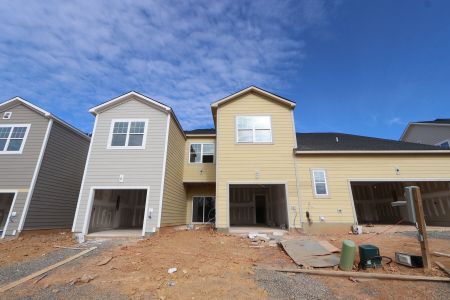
{"x":57,"y":186}
{"x":16,"y":170}
{"x":141,"y":167}
{"x":427,"y":134}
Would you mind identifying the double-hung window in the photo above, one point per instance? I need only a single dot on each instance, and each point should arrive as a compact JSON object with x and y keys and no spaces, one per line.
{"x":12,"y":138}
{"x":320,"y":183}
{"x":253,"y":129}
{"x":203,"y":209}
{"x":128,"y":134}
{"x":201,"y":153}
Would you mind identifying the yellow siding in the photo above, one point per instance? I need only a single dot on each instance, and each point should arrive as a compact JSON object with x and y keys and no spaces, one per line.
{"x":343,"y":168}
{"x":197,"y":190}
{"x":174,"y":199}
{"x":198,"y":172}
{"x":240,"y":162}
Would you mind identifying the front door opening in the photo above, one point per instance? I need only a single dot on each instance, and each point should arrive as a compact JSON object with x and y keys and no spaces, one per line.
{"x":6,"y":200}
{"x":118,"y":209}
{"x":258,"y":205}
{"x":373,"y":201}
{"x":204,"y":209}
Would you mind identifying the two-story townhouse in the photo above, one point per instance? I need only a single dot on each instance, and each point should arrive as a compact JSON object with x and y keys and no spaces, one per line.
{"x":41,"y":165}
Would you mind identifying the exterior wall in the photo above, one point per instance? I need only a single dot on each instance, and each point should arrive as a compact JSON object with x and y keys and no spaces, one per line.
{"x":236,"y":163}
{"x":16,"y":170}
{"x":140,"y":167}
{"x":202,"y":189}
{"x":198,"y":172}
{"x":341,"y":169}
{"x":427,"y":134}
{"x":174,"y":197}
{"x":57,"y":186}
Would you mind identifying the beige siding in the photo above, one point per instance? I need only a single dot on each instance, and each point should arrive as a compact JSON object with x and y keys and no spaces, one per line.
{"x":198,"y":172}
{"x":204,"y":189}
{"x":240,"y":162}
{"x":427,"y":134}
{"x":174,"y":198}
{"x":343,"y":168}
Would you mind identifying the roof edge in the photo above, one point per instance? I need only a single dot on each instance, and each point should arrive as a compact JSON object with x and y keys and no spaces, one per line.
{"x":371,"y":151}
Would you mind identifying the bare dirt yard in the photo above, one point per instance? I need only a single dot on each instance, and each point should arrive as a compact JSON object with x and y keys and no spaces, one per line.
{"x":212,"y":265}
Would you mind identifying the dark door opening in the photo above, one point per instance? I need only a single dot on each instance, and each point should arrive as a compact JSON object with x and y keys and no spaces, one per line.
{"x":6,"y":200}
{"x":260,"y":204}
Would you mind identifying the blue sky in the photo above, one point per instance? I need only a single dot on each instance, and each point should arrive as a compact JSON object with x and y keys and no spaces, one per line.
{"x":363,"y":67}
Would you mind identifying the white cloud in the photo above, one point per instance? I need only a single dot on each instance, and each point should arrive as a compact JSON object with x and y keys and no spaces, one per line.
{"x":73,"y":55}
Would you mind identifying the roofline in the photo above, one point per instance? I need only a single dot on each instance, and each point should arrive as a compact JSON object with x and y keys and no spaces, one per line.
{"x":249,"y":89}
{"x":200,"y":135}
{"x":418,"y":123}
{"x":372,"y":152}
{"x":48,"y":115}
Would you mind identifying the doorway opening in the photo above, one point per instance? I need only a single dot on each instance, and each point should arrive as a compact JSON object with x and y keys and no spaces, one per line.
{"x":6,"y":200}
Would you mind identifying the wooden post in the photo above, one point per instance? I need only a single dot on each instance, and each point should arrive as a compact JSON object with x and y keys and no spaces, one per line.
{"x":421,"y":227}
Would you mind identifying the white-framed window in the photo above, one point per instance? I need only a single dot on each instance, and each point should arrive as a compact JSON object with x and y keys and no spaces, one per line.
{"x":444,"y":144}
{"x":320,"y":184}
{"x":7,"y":115}
{"x":253,"y":129}
{"x":203,"y":209}
{"x":128,"y":134}
{"x":201,"y":153}
{"x":13,"y":138}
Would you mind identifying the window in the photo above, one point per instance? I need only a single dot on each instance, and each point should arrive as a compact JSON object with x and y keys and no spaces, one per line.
{"x":12,"y":138}
{"x":320,"y":183}
{"x":201,"y":153}
{"x":130,"y":134}
{"x":444,"y":144}
{"x":203,"y":209}
{"x":254,"y":129}
{"x":7,"y":115}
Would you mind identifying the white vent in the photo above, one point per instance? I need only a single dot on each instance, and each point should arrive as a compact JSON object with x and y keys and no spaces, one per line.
{"x":7,"y":115}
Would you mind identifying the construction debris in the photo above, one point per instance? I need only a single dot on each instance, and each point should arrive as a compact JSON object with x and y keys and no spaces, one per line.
{"x":442,"y":267}
{"x":83,"y":279}
{"x":105,"y":261}
{"x":441,"y":254}
{"x":172,"y":270}
{"x":312,"y":253}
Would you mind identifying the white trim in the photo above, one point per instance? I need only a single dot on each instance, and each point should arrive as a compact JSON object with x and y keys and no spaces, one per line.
{"x":444,"y":141}
{"x":25,"y":102}
{"x":84,"y":175}
{"x":15,"y":192}
{"x":421,"y":124}
{"x":91,"y":202}
{"x":294,"y":130}
{"x":374,"y":152}
{"x":253,"y":142}
{"x":95,"y":109}
{"x":352,"y":200}
{"x":35,"y":175}
{"x":126,"y":147}
{"x":191,"y":135}
{"x":201,"y":153}
{"x":147,"y":204}
{"x":7,"y":115}
{"x":217,"y":168}
{"x":313,"y":177}
{"x":8,"y":139}
{"x":161,"y":192}
{"x":192,"y":208}
{"x":252,"y":89}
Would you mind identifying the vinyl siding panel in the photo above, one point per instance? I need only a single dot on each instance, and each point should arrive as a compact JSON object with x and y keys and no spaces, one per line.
{"x":16,"y":170}
{"x":58,"y":184}
{"x":427,"y":134}
{"x":140,"y":167}
{"x":198,"y":172}
{"x":341,"y":168}
{"x":241,"y":162}
{"x":174,"y":198}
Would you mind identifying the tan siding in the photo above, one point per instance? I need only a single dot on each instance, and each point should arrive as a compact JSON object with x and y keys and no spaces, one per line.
{"x":198,"y":172}
{"x":197,"y":190}
{"x":341,"y":168}
{"x":427,"y":134}
{"x":238,"y":162}
{"x":174,"y":198}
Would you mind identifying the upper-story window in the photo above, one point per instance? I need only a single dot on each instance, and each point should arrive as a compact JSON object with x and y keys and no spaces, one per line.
{"x":320,"y":183}
{"x":201,"y":153}
{"x":12,"y":138}
{"x":254,"y":129}
{"x":128,"y":134}
{"x":444,"y":144}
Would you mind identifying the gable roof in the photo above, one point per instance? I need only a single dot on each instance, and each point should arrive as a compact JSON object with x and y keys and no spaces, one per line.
{"x":333,"y":142}
{"x":255,"y":90}
{"x":435,"y":122}
{"x":18,"y":100}
{"x":201,"y":132}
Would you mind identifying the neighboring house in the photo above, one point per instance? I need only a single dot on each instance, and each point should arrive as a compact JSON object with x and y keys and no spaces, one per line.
{"x":435,"y":132}
{"x":252,"y":169}
{"x":41,"y":165}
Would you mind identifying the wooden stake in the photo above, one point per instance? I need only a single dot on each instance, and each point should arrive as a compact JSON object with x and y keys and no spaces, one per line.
{"x":421,"y":226}
{"x":45,"y":270}
{"x":441,"y":254}
{"x":364,"y":275}
{"x":443,"y":268}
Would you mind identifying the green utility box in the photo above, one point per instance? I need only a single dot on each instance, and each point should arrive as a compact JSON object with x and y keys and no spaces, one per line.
{"x":347,"y":255}
{"x":369,"y":257}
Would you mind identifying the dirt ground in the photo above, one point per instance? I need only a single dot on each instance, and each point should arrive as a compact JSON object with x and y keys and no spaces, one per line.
{"x":212,"y":265}
{"x":32,"y":244}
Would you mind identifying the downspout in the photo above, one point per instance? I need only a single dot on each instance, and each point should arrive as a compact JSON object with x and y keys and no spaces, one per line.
{"x":297,"y":182}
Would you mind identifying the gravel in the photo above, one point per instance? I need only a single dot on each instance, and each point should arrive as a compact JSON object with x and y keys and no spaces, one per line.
{"x":444,"y":235}
{"x":292,"y":286}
